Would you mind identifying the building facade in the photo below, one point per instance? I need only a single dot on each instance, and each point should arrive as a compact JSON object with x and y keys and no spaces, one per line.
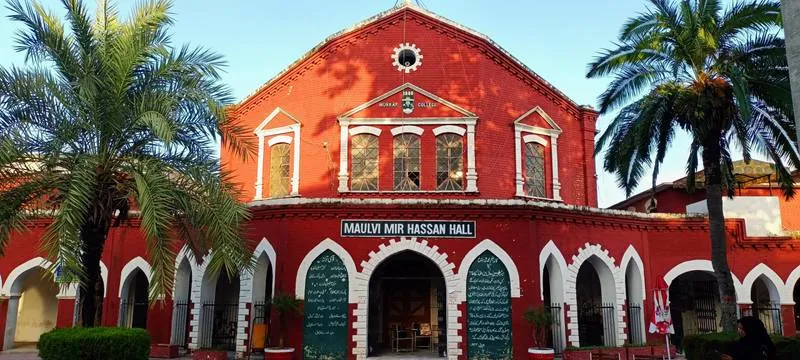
{"x":411,"y":174}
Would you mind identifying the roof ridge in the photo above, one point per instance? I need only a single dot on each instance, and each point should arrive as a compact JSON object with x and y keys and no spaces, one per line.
{"x":403,"y":6}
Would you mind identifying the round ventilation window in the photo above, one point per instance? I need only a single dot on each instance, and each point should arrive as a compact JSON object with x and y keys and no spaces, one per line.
{"x":407,"y":57}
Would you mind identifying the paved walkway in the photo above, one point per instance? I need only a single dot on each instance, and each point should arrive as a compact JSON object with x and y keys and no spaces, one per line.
{"x":28,"y":354}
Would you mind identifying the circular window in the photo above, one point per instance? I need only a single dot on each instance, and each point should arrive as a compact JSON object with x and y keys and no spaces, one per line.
{"x":407,"y":57}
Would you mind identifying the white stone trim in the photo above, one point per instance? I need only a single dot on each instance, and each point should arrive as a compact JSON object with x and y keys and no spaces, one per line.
{"x":184,"y":255}
{"x":451,"y":281}
{"x":589,"y":252}
{"x":553,"y":133}
{"x":407,"y":129}
{"x":451,"y":129}
{"x":327,"y":244}
{"x":783,"y":292}
{"x":632,"y":255}
{"x":550,"y":249}
{"x":791,"y":280}
{"x":533,"y":138}
{"x":705,"y":266}
{"x":460,"y":110}
{"x":135,"y":263}
{"x":262,"y":132}
{"x":477,"y":250}
{"x":557,"y":272}
{"x":261,"y":127}
{"x":365,"y":130}
{"x":280,"y":139}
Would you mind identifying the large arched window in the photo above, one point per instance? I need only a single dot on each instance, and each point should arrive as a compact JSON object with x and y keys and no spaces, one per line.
{"x":365,"y":163}
{"x":279,"y":178}
{"x":534,"y":170}
{"x":449,"y":162}
{"x":406,"y":162}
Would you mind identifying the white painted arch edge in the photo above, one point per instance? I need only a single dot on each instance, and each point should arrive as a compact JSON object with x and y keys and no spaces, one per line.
{"x":11,"y":285}
{"x":477,"y":250}
{"x":632,"y":255}
{"x":280,"y":139}
{"x":700,"y":265}
{"x":550,"y":249}
{"x":532,"y":138}
{"x":449,"y":129}
{"x":264,"y":248}
{"x":135,"y":263}
{"x":407,"y":129}
{"x":327,"y":244}
{"x":371,"y":130}
{"x":794,"y":276}
{"x":784,"y":292}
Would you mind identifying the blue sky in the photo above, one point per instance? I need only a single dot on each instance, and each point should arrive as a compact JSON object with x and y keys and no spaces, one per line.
{"x":260,"y":38}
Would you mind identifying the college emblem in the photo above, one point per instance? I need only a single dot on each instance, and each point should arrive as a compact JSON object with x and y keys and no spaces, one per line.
{"x":408,"y":101}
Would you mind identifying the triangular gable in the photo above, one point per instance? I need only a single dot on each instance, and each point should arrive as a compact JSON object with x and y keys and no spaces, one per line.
{"x":537,"y":118}
{"x":407,"y":101}
{"x":278,"y":118}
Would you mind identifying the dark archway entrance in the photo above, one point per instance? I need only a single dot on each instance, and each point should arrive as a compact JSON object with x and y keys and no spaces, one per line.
{"x":596,"y":293}
{"x":694,"y":305}
{"x":407,"y":306}
{"x":133,"y":308}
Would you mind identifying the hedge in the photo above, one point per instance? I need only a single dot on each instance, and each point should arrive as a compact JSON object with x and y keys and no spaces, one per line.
{"x":95,"y":344}
{"x":699,"y":347}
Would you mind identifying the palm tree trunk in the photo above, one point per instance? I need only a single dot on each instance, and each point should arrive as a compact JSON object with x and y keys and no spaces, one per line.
{"x":716,"y":220}
{"x":93,"y":238}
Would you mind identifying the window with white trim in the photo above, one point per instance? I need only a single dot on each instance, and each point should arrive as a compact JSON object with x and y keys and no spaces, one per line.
{"x":449,"y":162}
{"x":534,"y":170}
{"x":364,"y":159}
{"x":406,"y":162}
{"x":279,"y":176}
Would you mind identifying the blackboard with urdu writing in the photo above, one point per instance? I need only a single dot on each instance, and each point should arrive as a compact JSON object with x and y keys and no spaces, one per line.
{"x":325,"y":317}
{"x":488,"y":309}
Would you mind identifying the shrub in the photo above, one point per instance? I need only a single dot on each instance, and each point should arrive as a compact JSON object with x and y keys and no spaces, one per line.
{"x":699,"y":347}
{"x":95,"y":344}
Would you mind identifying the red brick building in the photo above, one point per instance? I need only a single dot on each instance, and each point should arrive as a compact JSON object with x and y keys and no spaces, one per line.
{"x":412,"y":174}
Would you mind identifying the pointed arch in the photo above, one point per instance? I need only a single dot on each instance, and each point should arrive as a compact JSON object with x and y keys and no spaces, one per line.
{"x":783,"y":292}
{"x":327,"y":244}
{"x":632,"y":255}
{"x":12,"y":286}
{"x":611,"y":285}
{"x":267,"y":251}
{"x":127,"y":272}
{"x":550,"y":250}
{"x":477,"y":250}
{"x":454,"y":288}
{"x":791,"y":281}
{"x":706,"y":266}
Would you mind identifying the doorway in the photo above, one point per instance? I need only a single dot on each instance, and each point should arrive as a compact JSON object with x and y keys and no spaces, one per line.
{"x":407,"y":307}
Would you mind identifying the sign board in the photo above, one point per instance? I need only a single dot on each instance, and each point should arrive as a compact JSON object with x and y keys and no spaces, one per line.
{"x":411,"y":228}
{"x":325,"y":309}
{"x":488,"y":309}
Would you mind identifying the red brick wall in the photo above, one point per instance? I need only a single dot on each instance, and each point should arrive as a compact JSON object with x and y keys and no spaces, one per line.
{"x":457,"y":67}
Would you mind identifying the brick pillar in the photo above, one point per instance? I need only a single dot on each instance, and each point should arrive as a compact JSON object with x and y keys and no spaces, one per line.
{"x":625,"y":323}
{"x":243,"y":329}
{"x":159,"y":322}
{"x":788,"y":318}
{"x":194,"y":326}
{"x":3,"y":315}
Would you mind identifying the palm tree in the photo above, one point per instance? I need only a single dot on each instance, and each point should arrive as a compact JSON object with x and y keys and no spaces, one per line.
{"x":719,"y":75}
{"x":108,"y":119}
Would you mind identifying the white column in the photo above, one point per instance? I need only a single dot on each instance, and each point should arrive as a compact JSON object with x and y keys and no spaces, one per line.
{"x":296,"y":170}
{"x":11,"y":322}
{"x":244,"y":312}
{"x":554,"y":155}
{"x":343,"y":153}
{"x":260,"y":167}
{"x":472,"y":174}
{"x":518,"y":161}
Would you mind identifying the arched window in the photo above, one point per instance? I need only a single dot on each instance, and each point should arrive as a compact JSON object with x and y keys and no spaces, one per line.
{"x":449,"y":162}
{"x":534,"y":170}
{"x":279,"y":178}
{"x":406,"y":162}
{"x":365,"y":163}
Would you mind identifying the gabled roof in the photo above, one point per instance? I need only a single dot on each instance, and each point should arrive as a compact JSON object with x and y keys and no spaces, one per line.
{"x":399,"y":8}
{"x":366,"y":105}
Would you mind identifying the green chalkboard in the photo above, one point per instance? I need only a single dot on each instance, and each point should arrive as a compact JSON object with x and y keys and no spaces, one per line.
{"x":325,"y":317}
{"x":488,"y":309}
